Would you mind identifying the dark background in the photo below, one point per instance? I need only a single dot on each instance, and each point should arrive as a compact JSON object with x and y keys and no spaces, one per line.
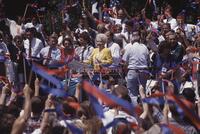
{"x":14,"y":8}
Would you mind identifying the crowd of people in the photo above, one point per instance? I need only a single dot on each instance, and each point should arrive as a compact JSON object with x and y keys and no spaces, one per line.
{"x":114,"y":73}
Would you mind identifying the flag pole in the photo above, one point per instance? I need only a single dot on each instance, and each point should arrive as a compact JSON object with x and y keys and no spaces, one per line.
{"x":25,"y":76}
{"x":27,"y":5}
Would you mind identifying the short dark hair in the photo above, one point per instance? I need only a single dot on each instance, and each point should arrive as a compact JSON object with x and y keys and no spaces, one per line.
{"x":189,"y":94}
{"x":122,"y":126}
{"x":68,"y":39}
{"x":168,"y":7}
{"x":85,"y":36}
{"x":123,"y":92}
{"x":37,"y":105}
{"x":6,"y":123}
{"x":163,"y":46}
{"x":18,"y":37}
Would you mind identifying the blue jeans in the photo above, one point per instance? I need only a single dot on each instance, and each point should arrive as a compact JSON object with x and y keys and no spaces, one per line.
{"x":134,"y":78}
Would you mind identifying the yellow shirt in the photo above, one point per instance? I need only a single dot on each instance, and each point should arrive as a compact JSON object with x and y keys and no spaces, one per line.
{"x":100,"y":57}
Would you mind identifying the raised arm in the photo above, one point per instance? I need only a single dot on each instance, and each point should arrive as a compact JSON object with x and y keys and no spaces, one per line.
{"x":4,"y":92}
{"x":144,"y":105}
{"x":37,"y":87}
{"x":20,"y":122}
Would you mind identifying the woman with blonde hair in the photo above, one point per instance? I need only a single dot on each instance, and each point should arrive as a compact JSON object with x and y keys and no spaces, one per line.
{"x":100,"y":56}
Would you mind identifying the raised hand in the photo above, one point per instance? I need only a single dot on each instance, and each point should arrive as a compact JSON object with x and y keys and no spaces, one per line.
{"x":5,"y":89}
{"x":27,"y":90}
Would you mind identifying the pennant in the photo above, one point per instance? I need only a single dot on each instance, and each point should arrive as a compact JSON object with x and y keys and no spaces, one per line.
{"x":108,"y":99}
{"x":98,"y":94}
{"x":176,"y":129}
{"x":60,"y":70}
{"x":171,"y":129}
{"x":57,"y":65}
{"x":45,"y":75}
{"x":74,"y":105}
{"x":97,"y":107}
{"x":54,"y":91}
{"x":165,"y":129}
{"x":154,"y":101}
{"x":181,"y":107}
{"x":117,"y":120}
{"x":192,"y":116}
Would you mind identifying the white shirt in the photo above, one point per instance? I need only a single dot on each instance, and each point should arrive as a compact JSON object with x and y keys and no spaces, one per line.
{"x":55,"y":54}
{"x":136,"y":55}
{"x":81,"y":30}
{"x":37,"y":131}
{"x":36,"y":46}
{"x":111,"y":114}
{"x":115,"y":52}
{"x":3,"y":48}
{"x":198,"y":27}
{"x":60,"y":40}
{"x":15,"y":29}
{"x":154,"y":24}
{"x":84,"y":54}
{"x":115,"y":20}
{"x":10,"y":73}
{"x":172,"y":22}
{"x":128,"y":46}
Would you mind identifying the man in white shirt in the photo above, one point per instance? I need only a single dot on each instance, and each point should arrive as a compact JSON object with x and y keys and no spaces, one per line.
{"x":136,"y":57}
{"x":32,"y":45}
{"x":51,"y":54}
{"x":189,"y":29}
{"x":169,"y":19}
{"x":164,"y":30}
{"x":127,"y":31}
{"x":85,"y":49}
{"x":114,"y":48}
{"x":34,"y":24}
